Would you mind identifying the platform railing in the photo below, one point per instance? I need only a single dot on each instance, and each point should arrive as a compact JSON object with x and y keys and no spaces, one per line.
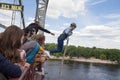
{"x":28,"y":74}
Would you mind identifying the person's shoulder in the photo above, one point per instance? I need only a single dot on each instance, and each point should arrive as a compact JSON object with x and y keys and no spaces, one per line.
{"x":31,"y":43}
{"x":31,"y":25}
{"x":1,"y":57}
{"x":68,"y":28}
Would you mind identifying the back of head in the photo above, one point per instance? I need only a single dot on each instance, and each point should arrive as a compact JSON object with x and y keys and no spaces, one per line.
{"x":11,"y":41}
{"x":37,"y":22}
{"x":73,"y":24}
{"x":40,"y":38}
{"x":12,"y":35}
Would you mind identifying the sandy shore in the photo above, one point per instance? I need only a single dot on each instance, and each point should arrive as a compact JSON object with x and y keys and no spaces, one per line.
{"x":90,"y":60}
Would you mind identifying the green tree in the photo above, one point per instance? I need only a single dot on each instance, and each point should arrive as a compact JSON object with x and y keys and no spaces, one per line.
{"x":86,"y":52}
{"x":103,"y":56}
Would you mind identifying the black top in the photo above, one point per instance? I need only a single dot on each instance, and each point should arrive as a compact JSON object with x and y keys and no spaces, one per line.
{"x":8,"y":69}
{"x":36,"y":27}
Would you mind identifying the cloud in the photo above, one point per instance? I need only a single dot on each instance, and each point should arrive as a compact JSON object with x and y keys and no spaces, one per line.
{"x":113,"y":19}
{"x":95,"y":2}
{"x":6,"y":17}
{"x":47,"y":25}
{"x":93,"y":34}
{"x":66,"y":24}
{"x":65,"y":8}
{"x":98,"y":35}
{"x":5,"y":1}
{"x":112,"y":16}
{"x":1,"y":29}
{"x":114,"y":23}
{"x":101,"y":31}
{"x":63,"y":26}
{"x":29,"y":20}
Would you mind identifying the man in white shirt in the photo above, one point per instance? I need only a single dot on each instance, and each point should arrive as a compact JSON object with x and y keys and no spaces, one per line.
{"x":66,"y":33}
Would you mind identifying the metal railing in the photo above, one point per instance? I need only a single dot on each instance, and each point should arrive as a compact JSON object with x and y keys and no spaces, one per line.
{"x":28,"y":74}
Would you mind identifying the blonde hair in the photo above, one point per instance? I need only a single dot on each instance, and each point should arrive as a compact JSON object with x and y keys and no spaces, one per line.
{"x":40,"y":38}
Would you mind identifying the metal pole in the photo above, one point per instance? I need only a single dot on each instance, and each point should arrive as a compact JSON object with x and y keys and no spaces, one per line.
{"x":22,"y":15}
{"x":3,"y":26}
{"x":13,"y":14}
{"x":41,"y":8}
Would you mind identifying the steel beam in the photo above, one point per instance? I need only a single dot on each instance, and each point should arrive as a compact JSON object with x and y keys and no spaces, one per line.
{"x":41,"y":8}
{"x":3,"y":26}
{"x":22,"y":15}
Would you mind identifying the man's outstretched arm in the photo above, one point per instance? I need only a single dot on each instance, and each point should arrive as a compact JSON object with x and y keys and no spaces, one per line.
{"x":45,"y":30}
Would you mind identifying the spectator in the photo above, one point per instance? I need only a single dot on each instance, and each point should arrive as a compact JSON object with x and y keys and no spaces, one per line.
{"x":8,"y":69}
{"x":37,"y":27}
{"x":10,"y":42}
{"x":31,"y":48}
{"x":41,"y":56}
{"x":26,"y":36}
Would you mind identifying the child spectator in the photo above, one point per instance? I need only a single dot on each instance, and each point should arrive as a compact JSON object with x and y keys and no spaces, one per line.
{"x":42,"y":55}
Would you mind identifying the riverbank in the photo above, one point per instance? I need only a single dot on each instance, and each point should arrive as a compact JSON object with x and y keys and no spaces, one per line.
{"x":81,"y":59}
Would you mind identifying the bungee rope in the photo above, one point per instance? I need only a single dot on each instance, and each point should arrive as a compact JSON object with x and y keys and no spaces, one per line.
{"x":62,"y":61}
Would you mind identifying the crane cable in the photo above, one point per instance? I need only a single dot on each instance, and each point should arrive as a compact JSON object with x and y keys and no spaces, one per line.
{"x":13,"y":15}
{"x":22,"y":23}
{"x":62,"y":61}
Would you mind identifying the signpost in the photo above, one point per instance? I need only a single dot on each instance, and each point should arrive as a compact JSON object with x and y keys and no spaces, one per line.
{"x":11,"y":7}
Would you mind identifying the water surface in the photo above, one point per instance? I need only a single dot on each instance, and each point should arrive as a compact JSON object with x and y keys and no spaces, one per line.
{"x":81,"y":71}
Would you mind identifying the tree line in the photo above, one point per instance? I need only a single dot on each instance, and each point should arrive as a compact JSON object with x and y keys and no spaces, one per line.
{"x":86,"y":52}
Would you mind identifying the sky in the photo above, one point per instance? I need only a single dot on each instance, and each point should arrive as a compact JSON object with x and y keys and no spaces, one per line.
{"x":98,"y":21}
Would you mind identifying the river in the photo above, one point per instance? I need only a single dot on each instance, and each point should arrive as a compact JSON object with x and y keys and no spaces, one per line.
{"x":81,"y":71}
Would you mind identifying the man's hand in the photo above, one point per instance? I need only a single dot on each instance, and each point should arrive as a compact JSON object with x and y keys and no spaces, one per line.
{"x":52,"y":33}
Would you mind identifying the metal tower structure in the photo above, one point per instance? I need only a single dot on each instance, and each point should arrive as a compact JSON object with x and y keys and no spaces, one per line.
{"x":3,"y":26}
{"x":22,"y":14}
{"x":16,"y":6}
{"x":41,"y":8}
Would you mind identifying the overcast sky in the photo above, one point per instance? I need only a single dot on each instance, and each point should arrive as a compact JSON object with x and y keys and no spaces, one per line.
{"x":98,"y":21}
